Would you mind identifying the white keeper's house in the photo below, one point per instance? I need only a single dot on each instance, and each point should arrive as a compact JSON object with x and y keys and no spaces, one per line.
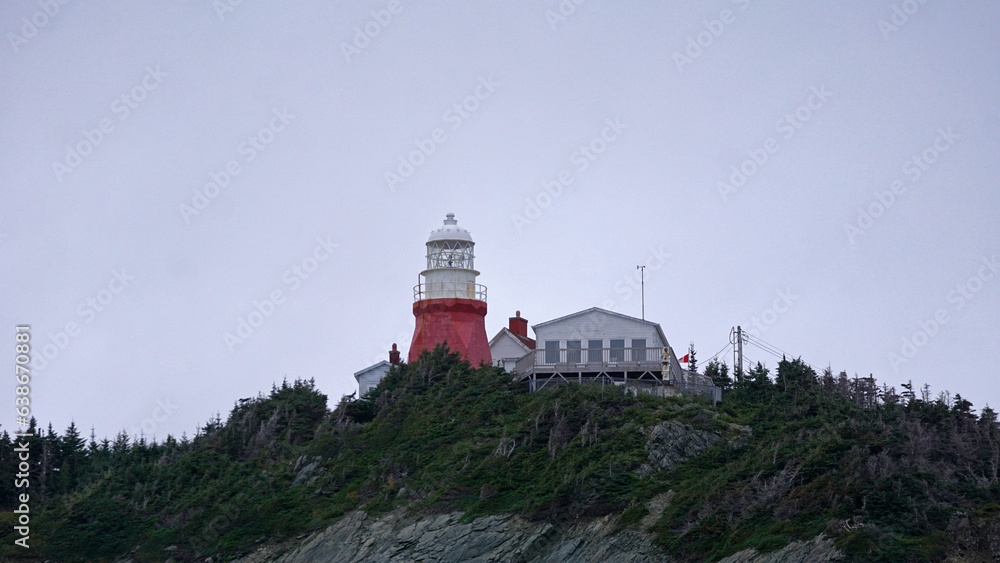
{"x":596,"y":345}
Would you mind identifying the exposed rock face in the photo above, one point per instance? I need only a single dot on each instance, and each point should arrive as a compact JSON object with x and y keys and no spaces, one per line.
{"x":671,"y":442}
{"x":443,"y":538}
{"x":820,"y":549}
{"x":309,"y":472}
{"x":396,"y":537}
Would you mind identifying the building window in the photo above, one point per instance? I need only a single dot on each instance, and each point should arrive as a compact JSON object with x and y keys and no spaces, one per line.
{"x":617,"y":353}
{"x":638,"y":349}
{"x":573,"y":351}
{"x":552,"y":351}
{"x":594,"y":351}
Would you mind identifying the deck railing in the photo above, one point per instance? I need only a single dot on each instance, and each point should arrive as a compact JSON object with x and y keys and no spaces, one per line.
{"x":449,"y":289}
{"x":590,"y":359}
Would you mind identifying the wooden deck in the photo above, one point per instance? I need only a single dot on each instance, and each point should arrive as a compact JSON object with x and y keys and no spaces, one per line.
{"x":640,"y":369}
{"x":619,"y":366}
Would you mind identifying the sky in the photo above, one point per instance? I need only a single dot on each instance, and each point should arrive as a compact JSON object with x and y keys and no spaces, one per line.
{"x":822,"y":174}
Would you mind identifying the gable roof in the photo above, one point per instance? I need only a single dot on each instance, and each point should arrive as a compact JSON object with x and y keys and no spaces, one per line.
{"x":527,"y":343}
{"x":373,"y":367}
{"x":659,"y":329}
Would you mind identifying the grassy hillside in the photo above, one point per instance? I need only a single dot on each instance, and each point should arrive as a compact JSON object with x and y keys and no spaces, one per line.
{"x":891,"y":477}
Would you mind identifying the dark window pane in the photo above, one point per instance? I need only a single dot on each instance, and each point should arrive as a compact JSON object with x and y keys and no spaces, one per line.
{"x":617,"y":353}
{"x":638,"y":349}
{"x":573,"y":351}
{"x":552,"y":351}
{"x":594,"y":351}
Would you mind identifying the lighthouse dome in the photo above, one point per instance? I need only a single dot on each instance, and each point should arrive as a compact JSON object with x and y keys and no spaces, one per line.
{"x":450,"y":231}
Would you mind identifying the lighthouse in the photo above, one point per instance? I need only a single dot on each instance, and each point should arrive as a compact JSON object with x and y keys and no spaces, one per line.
{"x":449,"y":305}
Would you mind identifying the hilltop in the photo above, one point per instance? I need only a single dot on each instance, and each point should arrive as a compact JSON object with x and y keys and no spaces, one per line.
{"x":786,"y":460}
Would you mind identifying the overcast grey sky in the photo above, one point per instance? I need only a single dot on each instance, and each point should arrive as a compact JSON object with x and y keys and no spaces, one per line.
{"x":822,"y":173}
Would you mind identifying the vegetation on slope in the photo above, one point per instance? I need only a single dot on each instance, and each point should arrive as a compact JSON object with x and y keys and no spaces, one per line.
{"x":891,"y":477}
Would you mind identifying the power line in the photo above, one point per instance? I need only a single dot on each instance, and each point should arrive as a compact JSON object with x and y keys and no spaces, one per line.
{"x":716,"y":355}
{"x":765,"y":347}
{"x":774,"y":350}
{"x":760,"y":343}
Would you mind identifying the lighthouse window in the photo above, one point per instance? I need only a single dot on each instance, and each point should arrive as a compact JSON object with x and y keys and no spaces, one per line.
{"x":617,"y":350}
{"x":552,"y":351}
{"x":573,"y":351}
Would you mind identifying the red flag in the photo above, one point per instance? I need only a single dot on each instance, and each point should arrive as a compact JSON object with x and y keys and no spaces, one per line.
{"x":686,"y":358}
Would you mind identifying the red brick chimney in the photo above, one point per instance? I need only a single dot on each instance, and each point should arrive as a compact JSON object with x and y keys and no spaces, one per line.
{"x":394,"y":355}
{"x":518,"y":325}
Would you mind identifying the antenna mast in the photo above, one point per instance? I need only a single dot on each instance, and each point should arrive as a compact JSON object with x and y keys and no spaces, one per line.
{"x":642,"y":286}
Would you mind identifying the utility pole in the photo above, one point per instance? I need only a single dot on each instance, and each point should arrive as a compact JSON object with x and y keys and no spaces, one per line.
{"x":642,"y":286}
{"x":739,"y":339}
{"x":736,"y":338}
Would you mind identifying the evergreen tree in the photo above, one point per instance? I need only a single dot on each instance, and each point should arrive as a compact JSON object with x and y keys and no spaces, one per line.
{"x":719,"y":373}
{"x":692,"y":362}
{"x":71,"y":443}
{"x":72,"y":455}
{"x":907,"y":395}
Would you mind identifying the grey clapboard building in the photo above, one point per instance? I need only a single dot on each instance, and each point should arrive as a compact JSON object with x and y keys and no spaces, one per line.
{"x":369,"y":377}
{"x":597,"y":345}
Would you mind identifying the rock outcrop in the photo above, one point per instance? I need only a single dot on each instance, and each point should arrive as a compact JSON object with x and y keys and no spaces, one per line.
{"x":444,"y":538}
{"x":671,"y":442}
{"x":397,"y":537}
{"x":819,"y":550}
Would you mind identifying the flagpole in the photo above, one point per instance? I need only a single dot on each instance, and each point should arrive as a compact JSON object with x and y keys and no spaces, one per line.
{"x":642,"y":285}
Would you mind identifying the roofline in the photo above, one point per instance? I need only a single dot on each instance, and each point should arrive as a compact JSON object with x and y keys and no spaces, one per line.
{"x":371,"y":367}
{"x":659,"y":329}
{"x":514,"y":336}
{"x":578,"y":313}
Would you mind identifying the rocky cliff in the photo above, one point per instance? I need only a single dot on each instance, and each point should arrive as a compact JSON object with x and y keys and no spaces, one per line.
{"x":400,"y":538}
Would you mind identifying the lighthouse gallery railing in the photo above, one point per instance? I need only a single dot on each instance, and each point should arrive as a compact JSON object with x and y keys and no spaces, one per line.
{"x":449,"y":290}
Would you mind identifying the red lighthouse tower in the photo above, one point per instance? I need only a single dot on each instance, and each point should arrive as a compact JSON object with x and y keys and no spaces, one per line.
{"x":448,"y":303}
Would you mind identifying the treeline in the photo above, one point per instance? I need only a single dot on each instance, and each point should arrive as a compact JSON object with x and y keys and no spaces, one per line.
{"x":63,"y":463}
{"x":891,"y":476}
{"x":98,"y":499}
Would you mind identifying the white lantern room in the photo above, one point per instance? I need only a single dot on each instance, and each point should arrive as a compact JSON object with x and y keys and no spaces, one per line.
{"x":450,"y":272}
